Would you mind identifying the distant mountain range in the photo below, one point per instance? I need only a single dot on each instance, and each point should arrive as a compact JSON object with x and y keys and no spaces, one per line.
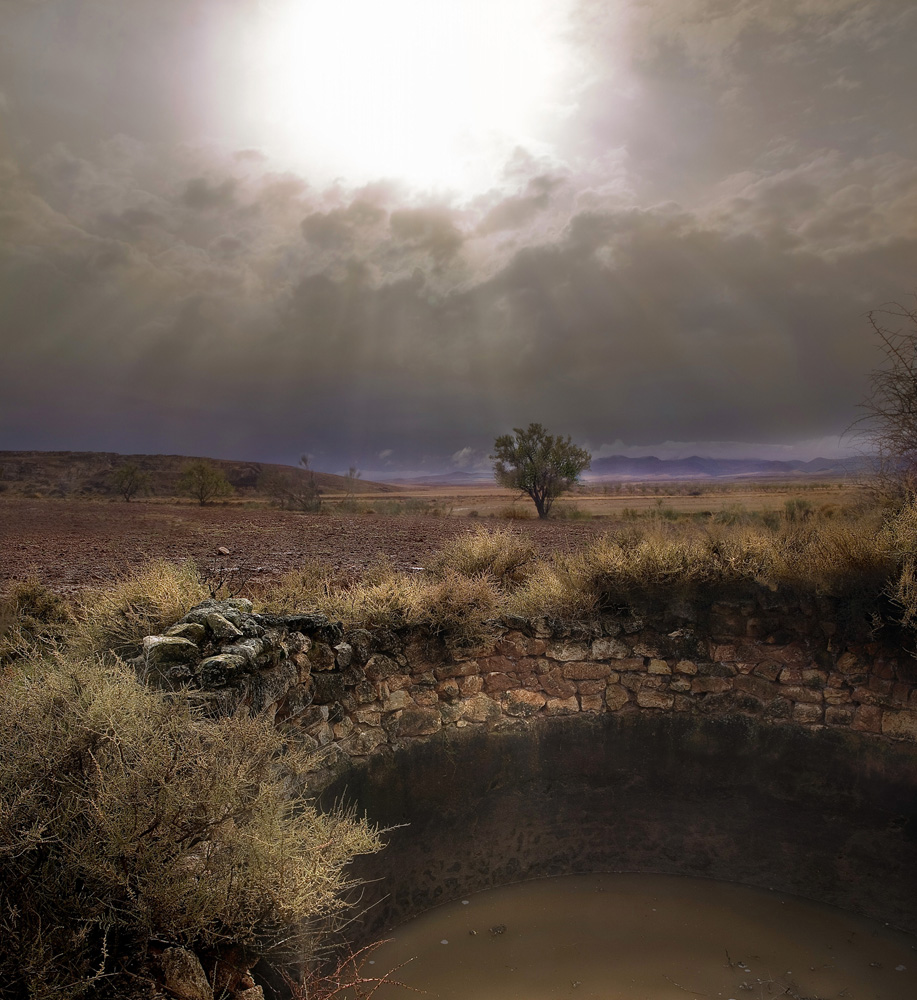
{"x":695,"y":467}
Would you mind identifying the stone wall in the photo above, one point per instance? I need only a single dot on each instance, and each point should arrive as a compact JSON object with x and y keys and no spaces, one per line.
{"x":760,"y":739}
{"x":801,"y":663}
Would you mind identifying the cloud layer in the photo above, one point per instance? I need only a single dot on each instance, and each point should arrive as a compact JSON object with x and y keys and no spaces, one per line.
{"x":688,"y":257}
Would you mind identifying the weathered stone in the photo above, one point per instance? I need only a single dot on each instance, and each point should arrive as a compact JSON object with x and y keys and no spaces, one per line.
{"x":365,"y":739}
{"x":848,"y":663}
{"x":191,"y":631}
{"x":321,"y":657}
{"x":343,"y":655}
{"x":836,"y":696}
{"x":248,"y":649}
{"x":757,"y":687}
{"x":480,"y":708}
{"x":329,"y":687}
{"x":419,"y":722}
{"x":659,"y":667}
{"x":499,"y":682}
{"x":463,"y":668}
{"x":523,"y":703}
{"x":556,"y":685}
{"x":561,"y":706}
{"x":867,"y":719}
{"x":591,"y":687}
{"x":838,"y":716}
{"x":167,"y":649}
{"x":801,"y":694}
{"x":686,"y":667}
{"x":609,"y":649}
{"x":567,"y":651}
{"x":221,"y":627}
{"x":220,"y":670}
{"x":471,"y":685}
{"x":252,"y":993}
{"x":183,"y":975}
{"x":655,"y":699}
{"x":398,"y":682}
{"x":379,"y":667}
{"x":649,"y":648}
{"x":710,"y":685}
{"x":616,"y":697}
{"x":397,"y":700}
{"x":425,"y":697}
{"x":585,"y":671}
{"x":680,"y":684}
{"x":592,"y":702}
{"x":901,"y":725}
{"x":807,"y":713}
{"x":343,"y":728}
{"x":630,"y":663}
{"x":768,"y":669}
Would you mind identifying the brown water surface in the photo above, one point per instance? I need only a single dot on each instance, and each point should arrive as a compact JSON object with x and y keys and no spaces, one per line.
{"x":644,"y":937}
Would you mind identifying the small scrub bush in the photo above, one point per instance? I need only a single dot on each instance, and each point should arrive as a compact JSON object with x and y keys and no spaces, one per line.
{"x":33,"y":621}
{"x":125,"y":820}
{"x":500,"y":555}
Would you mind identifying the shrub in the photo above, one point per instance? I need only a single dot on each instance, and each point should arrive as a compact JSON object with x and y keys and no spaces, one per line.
{"x":204,"y":482}
{"x":126,"y":820}
{"x":33,"y":621}
{"x":114,"y":619}
{"x":498,"y":554}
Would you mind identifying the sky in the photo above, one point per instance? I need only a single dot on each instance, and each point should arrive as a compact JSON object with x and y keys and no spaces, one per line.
{"x":383,"y":232}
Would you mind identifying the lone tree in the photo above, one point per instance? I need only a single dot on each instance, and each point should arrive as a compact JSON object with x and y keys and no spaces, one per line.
{"x":293,"y":489}
{"x":130,"y":480}
{"x":891,"y":405}
{"x":538,"y":464}
{"x":204,"y":482}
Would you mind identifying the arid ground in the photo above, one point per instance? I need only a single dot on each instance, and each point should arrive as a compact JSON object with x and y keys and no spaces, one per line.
{"x":72,"y":543}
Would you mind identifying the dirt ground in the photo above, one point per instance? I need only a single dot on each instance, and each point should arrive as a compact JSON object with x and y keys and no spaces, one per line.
{"x":70,"y":544}
{"x":73,"y":543}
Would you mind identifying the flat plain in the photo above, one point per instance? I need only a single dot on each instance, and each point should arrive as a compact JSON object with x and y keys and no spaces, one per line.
{"x":71,"y":543}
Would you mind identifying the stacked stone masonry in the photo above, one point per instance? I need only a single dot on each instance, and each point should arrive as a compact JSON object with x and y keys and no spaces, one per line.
{"x":365,"y":690}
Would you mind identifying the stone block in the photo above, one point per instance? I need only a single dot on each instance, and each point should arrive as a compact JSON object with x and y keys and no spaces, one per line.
{"x":586,"y":671}
{"x":609,"y":649}
{"x":418,"y":722}
{"x":901,"y":725}
{"x":630,"y":663}
{"x":183,"y":975}
{"x":658,"y":667}
{"x":561,"y":706}
{"x":590,"y":687}
{"x":471,"y":685}
{"x":555,"y":685}
{"x":321,"y":656}
{"x":757,"y":687}
{"x":499,"y":682}
{"x":655,"y":699}
{"x":802,"y":695}
{"x":848,"y":663}
{"x":710,"y":685}
{"x":807,"y":714}
{"x":221,"y":627}
{"x":522,"y":703}
{"x":867,"y":719}
{"x":616,"y":697}
{"x":397,"y":700}
{"x":365,"y":739}
{"x":836,"y":715}
{"x":480,"y":708}
{"x":566,"y":651}
{"x":591,"y":702}
{"x":191,"y":631}
{"x":686,"y":667}
{"x":768,"y":669}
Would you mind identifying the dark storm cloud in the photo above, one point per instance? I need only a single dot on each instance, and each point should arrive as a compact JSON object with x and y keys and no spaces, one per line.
{"x":732,"y":194}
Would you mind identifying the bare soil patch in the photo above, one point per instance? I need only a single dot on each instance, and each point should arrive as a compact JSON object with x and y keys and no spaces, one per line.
{"x":70,"y":544}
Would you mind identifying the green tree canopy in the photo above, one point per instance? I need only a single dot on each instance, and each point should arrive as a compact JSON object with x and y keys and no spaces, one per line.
{"x":538,"y":464}
{"x":204,"y":482}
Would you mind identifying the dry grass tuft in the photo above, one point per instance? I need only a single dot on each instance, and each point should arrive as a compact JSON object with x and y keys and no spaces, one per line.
{"x":115,"y":619}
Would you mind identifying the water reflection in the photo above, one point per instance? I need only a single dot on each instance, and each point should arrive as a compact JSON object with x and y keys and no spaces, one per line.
{"x":645,"y":937}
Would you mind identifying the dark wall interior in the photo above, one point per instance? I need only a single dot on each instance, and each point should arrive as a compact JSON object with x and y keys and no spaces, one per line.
{"x":826,"y":814}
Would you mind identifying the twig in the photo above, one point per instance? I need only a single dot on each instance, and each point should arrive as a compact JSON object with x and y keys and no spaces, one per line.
{"x":696,"y":993}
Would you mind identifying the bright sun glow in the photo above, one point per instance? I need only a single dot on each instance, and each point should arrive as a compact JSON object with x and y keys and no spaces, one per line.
{"x":431,"y":92}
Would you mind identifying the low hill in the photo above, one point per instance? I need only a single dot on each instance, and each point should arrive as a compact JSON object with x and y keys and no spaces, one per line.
{"x":89,"y":473}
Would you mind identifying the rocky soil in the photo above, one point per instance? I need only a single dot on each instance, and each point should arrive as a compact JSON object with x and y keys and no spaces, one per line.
{"x":71,"y":544}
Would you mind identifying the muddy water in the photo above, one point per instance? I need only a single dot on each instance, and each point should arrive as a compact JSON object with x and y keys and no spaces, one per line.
{"x":644,"y":937}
